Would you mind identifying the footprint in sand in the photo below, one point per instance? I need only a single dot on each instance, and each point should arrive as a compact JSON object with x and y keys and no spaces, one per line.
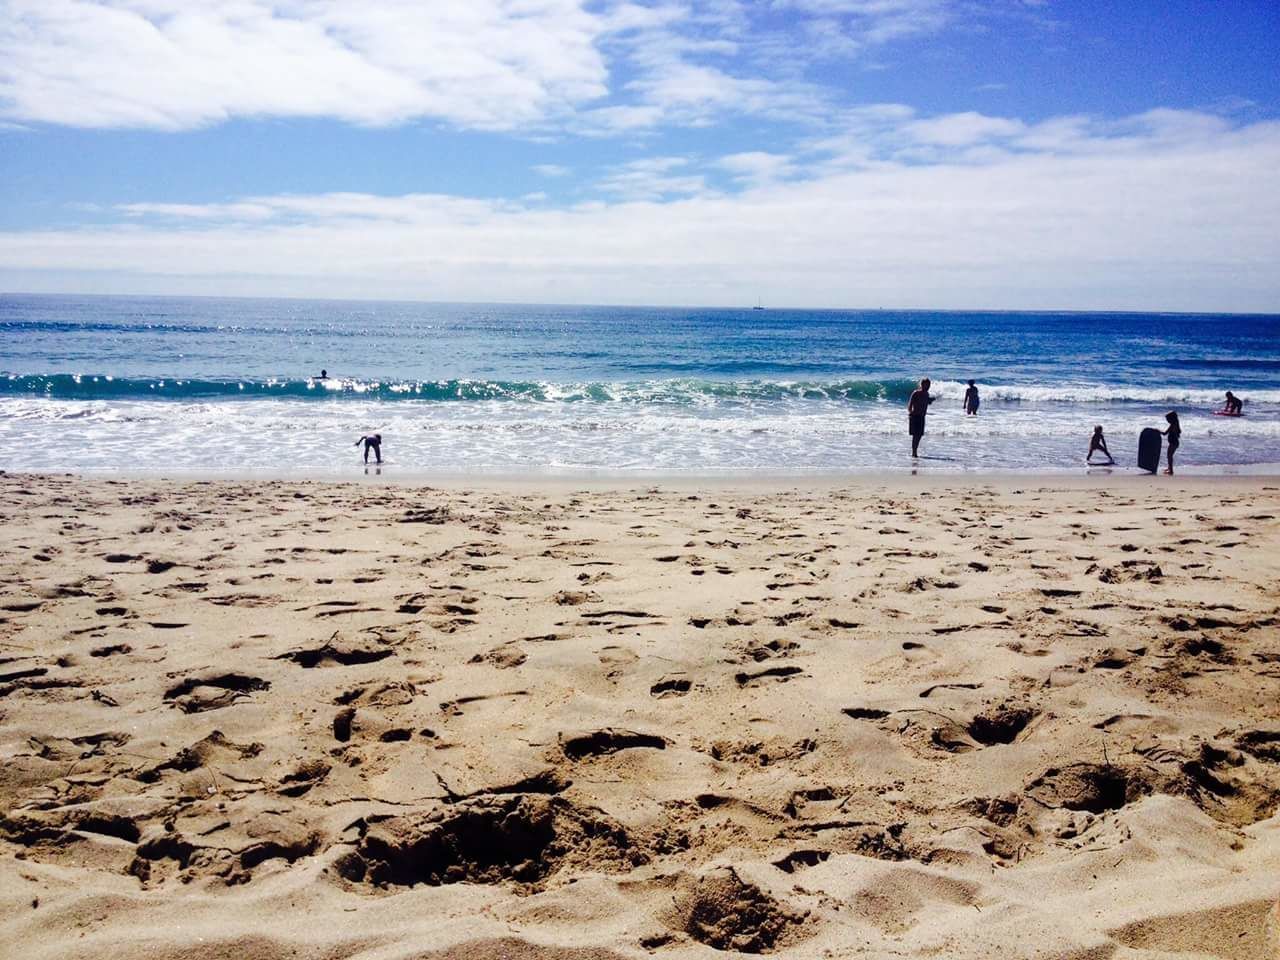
{"x":504,"y":656}
{"x":336,"y":652}
{"x":607,"y":741}
{"x":213,"y":691}
{"x":756,"y":678}
{"x":671,"y":687}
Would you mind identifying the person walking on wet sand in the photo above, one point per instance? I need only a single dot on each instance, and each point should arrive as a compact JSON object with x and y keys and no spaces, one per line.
{"x":1174,"y":433}
{"x":917,"y":410}
{"x":371,"y":442}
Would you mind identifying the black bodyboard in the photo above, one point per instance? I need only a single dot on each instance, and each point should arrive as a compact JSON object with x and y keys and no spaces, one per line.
{"x":1149,"y":443}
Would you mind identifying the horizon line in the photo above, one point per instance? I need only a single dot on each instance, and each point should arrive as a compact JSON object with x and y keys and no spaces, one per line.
{"x":745,"y":307}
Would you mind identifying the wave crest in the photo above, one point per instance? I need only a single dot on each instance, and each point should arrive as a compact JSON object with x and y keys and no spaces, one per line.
{"x":684,"y":391}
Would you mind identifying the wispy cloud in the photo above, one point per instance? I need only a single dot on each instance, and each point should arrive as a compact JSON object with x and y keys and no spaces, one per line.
{"x":878,"y":134}
{"x":879,"y":21}
{"x":245,"y":211}
{"x":757,"y":166}
{"x":1164,"y":209}
{"x":654,"y":178}
{"x":961,"y":129}
{"x":691,"y":64}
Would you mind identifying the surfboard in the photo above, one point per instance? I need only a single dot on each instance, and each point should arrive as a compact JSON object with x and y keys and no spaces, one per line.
{"x":1149,"y":443}
{"x":1223,"y":413}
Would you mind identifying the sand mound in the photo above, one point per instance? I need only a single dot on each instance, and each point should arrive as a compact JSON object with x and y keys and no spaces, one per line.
{"x":724,"y":912}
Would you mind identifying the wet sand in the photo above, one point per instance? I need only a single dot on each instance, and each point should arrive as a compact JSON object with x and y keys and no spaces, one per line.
{"x":895,"y":717}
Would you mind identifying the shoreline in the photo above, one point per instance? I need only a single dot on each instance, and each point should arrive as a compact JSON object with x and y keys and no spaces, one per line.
{"x":763,"y":481}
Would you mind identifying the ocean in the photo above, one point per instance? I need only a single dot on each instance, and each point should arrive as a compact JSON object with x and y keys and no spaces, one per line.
{"x":175,"y":385}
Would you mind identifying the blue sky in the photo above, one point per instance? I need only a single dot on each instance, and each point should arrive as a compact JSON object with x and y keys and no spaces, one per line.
{"x":910,"y":153}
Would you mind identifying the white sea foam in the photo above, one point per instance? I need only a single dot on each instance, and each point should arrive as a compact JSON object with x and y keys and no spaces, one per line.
{"x":1096,"y":393}
{"x":306,"y":438}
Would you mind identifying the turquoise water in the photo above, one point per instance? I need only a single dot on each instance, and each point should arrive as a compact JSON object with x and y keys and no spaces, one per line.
{"x":107,"y":384}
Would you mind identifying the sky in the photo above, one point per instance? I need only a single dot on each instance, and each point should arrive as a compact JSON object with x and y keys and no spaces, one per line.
{"x":937,"y":154}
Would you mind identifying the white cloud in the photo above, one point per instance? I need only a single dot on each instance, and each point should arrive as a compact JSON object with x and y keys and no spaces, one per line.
{"x":961,"y":129}
{"x":757,"y":166}
{"x":876,"y":134}
{"x":653,"y":178}
{"x":551,"y":170}
{"x":690,"y":64}
{"x":540,"y":67}
{"x":174,"y":64}
{"x":489,"y":64}
{"x":690,"y":93}
{"x":620,"y":119}
{"x":879,"y":21}
{"x":200,"y":211}
{"x":1157,"y":211}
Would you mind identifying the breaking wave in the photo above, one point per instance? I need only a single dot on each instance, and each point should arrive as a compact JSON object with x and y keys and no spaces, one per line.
{"x":679,"y":392}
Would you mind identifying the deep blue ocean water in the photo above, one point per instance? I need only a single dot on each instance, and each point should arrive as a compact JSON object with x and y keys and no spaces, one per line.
{"x":170,"y":385}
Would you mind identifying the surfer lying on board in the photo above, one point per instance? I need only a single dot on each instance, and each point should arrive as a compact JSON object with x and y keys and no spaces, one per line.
{"x":1098,"y":444}
{"x":1234,"y":406}
{"x":372,"y":442}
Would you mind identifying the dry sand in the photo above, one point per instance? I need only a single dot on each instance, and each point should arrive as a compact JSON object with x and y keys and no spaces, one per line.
{"x":953,"y":718}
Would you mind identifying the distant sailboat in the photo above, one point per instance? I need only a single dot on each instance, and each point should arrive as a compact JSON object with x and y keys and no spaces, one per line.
{"x":758,"y":305}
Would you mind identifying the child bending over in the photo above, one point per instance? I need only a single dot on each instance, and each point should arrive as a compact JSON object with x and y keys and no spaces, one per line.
{"x":1098,"y":444}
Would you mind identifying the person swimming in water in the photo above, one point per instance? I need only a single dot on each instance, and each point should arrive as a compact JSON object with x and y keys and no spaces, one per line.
{"x":971,"y":400}
{"x":1098,"y":444}
{"x":372,"y":442}
{"x":1174,"y":433}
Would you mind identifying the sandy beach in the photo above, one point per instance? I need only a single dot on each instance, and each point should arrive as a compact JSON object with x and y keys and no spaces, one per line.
{"x":957,"y":717}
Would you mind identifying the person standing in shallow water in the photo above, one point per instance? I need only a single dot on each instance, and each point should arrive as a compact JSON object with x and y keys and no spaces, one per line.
{"x":372,"y":442}
{"x":971,"y":400}
{"x":917,"y":410}
{"x":1174,"y":433}
{"x":1098,"y":444}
